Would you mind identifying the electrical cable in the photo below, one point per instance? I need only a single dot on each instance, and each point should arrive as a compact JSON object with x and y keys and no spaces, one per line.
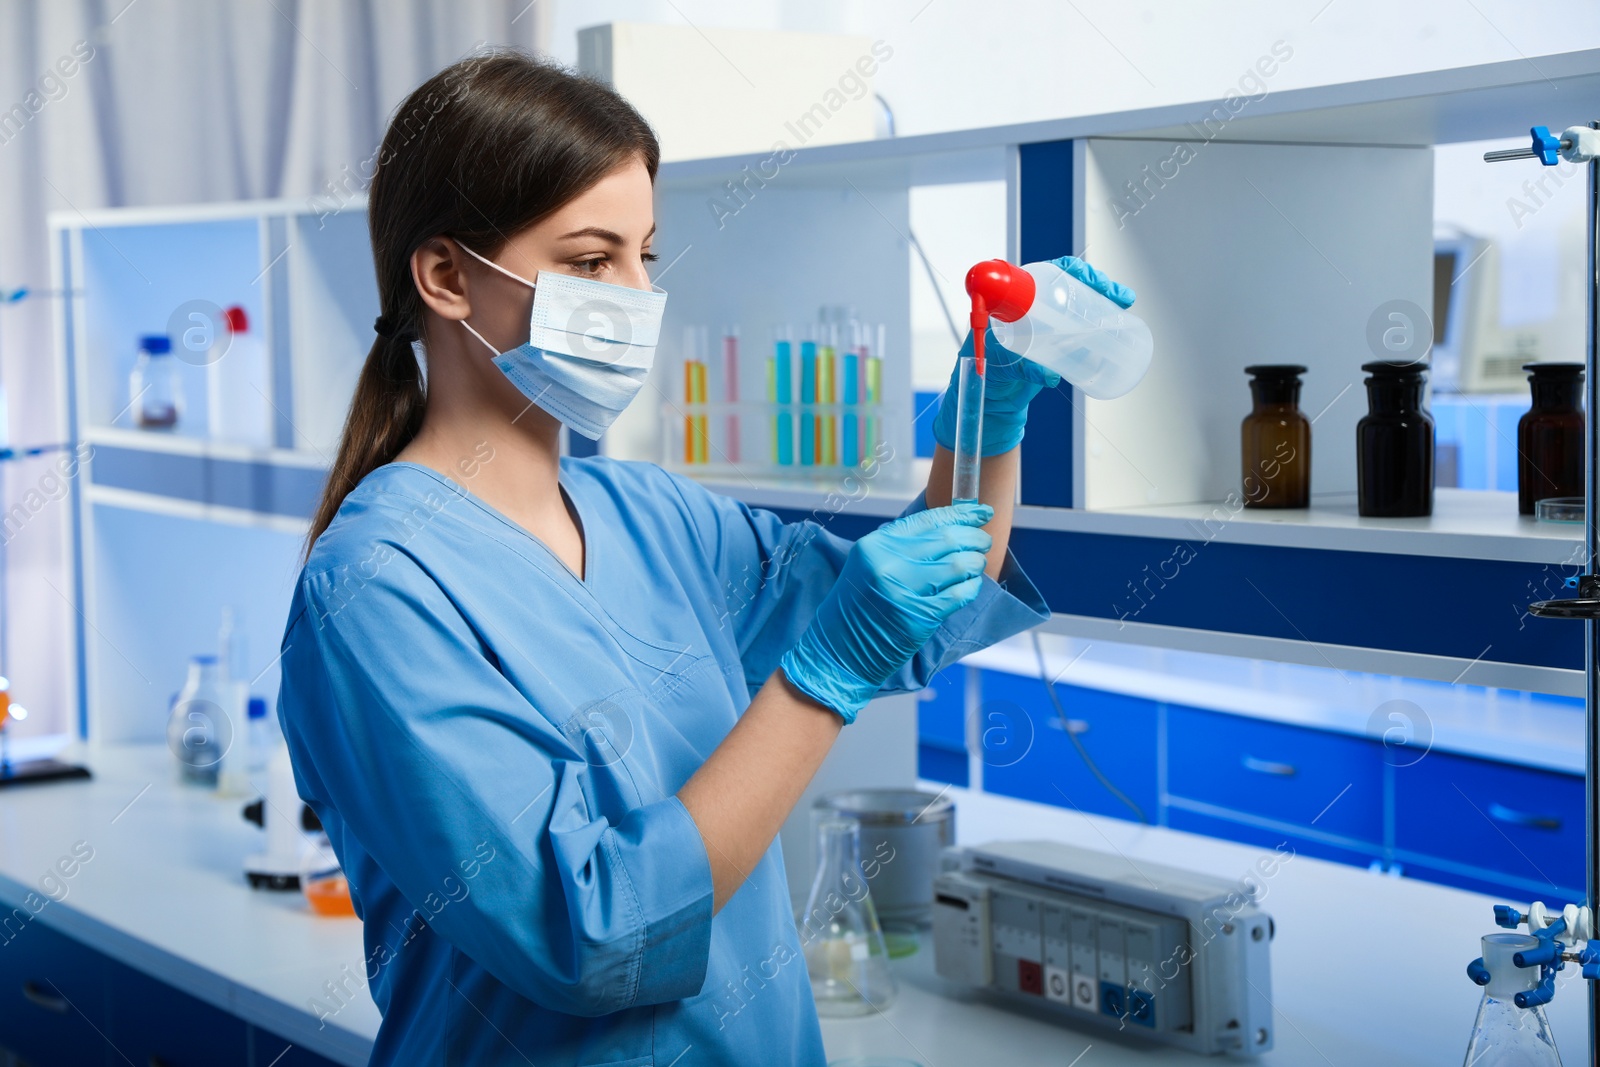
{"x":1083,"y":753}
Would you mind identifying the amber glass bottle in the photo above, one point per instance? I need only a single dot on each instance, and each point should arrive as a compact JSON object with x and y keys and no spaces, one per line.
{"x":1394,"y":443}
{"x":1275,"y":440}
{"x":1550,"y":435}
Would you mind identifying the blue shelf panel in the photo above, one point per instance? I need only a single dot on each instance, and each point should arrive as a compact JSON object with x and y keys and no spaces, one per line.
{"x":1044,"y":189}
{"x":1467,"y":608}
{"x":268,"y":488}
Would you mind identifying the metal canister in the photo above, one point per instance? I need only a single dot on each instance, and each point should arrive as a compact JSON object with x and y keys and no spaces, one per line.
{"x":902,"y":833}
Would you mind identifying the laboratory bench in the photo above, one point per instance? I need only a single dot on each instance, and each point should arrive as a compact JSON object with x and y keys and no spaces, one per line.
{"x":153,"y":949}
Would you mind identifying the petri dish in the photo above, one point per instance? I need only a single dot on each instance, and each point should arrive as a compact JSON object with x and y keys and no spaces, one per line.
{"x":1559,"y":509}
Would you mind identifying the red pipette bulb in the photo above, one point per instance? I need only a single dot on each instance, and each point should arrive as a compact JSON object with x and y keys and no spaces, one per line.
{"x":998,"y":289}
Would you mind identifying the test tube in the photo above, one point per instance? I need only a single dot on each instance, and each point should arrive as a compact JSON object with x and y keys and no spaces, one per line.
{"x":702,"y":440}
{"x":808,"y":401}
{"x":688,"y":393}
{"x":873,"y":373}
{"x":782,"y":394}
{"x":730,"y":389}
{"x":851,"y":445}
{"x":826,"y":394}
{"x":969,"y":431}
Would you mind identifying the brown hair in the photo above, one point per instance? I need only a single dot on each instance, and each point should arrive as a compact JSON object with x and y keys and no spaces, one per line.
{"x":483,"y":149}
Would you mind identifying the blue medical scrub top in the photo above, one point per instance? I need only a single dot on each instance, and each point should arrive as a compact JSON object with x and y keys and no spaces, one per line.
{"x":493,"y":745}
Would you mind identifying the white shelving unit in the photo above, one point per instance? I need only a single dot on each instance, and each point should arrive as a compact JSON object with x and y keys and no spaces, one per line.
{"x":171,"y":526}
{"x":1299,"y":214}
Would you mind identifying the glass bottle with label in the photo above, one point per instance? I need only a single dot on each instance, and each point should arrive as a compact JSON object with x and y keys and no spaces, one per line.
{"x":1275,"y":440}
{"x":1550,"y":435}
{"x":1394,"y":443}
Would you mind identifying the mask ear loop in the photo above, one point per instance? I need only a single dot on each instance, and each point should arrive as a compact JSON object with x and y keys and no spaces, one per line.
{"x":490,"y":263}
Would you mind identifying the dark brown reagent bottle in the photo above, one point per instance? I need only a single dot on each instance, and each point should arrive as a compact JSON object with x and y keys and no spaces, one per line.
{"x":1550,"y":435}
{"x":1275,"y":440}
{"x":1394,"y":443}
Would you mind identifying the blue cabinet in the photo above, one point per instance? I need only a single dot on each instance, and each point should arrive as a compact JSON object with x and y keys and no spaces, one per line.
{"x":1027,"y":752}
{"x":1311,"y":779}
{"x":942,"y":727}
{"x":63,"y":1004}
{"x":153,"y":1023}
{"x":1508,"y":831}
{"x":53,"y":996}
{"x":1515,"y":831}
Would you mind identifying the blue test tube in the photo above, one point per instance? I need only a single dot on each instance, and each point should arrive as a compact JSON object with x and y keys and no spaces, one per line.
{"x":808,"y":398}
{"x":851,"y":447}
{"x":783,"y":396}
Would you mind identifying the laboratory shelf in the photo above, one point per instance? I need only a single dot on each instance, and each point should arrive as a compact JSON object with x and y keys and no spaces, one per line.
{"x":177,"y":444}
{"x":1441,"y":598}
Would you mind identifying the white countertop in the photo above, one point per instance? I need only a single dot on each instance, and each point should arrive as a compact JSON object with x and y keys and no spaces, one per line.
{"x":1367,"y":969}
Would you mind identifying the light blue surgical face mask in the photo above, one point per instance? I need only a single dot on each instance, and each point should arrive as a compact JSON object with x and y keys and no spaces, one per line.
{"x":590,"y":346}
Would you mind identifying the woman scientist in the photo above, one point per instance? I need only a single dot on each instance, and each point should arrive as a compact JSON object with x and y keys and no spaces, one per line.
{"x":552,"y":712}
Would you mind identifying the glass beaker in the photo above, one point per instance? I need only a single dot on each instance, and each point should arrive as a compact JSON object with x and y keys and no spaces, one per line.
{"x":1504,"y":1035}
{"x":839,"y":932}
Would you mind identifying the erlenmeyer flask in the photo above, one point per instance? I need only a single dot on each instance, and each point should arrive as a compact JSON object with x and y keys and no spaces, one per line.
{"x":844,"y":947}
{"x":1505,"y":1035}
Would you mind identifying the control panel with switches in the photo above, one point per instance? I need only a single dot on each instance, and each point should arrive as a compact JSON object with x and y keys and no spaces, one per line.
{"x":1180,"y":957}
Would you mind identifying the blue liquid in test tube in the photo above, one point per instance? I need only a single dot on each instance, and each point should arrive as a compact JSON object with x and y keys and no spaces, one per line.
{"x":808,"y":398}
{"x":784,"y":396}
{"x":852,"y":396}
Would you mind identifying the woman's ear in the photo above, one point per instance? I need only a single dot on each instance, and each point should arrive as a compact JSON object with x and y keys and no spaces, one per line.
{"x":437,"y":269}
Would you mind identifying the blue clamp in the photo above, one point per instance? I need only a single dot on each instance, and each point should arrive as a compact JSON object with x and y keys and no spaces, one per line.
{"x":1546,"y":145}
{"x":1547,"y":957}
{"x":1504,"y":914}
{"x":1589,"y":958}
{"x":1478,"y":972}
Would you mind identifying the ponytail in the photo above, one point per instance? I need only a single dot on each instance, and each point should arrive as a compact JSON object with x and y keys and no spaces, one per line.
{"x":480,"y":151}
{"x":385,"y":414}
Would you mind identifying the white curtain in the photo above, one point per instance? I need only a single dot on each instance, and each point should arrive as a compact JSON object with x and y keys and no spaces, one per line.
{"x":111,"y":103}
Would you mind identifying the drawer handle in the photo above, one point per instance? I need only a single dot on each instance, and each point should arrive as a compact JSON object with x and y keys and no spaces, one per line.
{"x":1265,"y":766}
{"x":35,"y":994}
{"x":1075,"y":727}
{"x":1521,"y":818}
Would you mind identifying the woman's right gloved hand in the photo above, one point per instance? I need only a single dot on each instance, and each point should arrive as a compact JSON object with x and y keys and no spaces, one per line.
{"x":899,"y":583}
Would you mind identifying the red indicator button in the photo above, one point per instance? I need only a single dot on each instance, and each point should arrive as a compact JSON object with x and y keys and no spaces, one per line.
{"x":1030,"y":977}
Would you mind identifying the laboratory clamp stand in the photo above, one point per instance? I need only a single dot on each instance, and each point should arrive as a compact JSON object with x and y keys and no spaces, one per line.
{"x":1511,"y":1025}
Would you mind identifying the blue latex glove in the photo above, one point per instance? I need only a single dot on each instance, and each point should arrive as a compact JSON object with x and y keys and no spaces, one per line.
{"x":1011,"y":382}
{"x":899,"y":583}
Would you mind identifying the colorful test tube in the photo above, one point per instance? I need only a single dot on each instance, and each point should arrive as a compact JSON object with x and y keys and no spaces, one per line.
{"x":783,"y":396}
{"x":851,"y":446}
{"x":873,"y":372}
{"x":688,"y":420}
{"x":808,"y":400}
{"x":702,"y":427}
{"x":827,"y":450}
{"x":730,"y":388}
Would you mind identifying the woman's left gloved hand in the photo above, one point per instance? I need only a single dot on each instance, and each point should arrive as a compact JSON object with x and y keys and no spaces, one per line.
{"x":1011,"y":382}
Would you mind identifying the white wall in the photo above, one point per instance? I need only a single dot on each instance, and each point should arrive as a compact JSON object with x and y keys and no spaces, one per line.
{"x":1050,"y":59}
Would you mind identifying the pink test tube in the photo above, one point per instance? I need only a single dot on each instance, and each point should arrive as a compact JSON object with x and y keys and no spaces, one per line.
{"x":730,"y":386}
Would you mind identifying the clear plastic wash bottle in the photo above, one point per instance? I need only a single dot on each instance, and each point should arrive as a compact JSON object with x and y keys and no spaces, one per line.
{"x":1102,"y":349}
